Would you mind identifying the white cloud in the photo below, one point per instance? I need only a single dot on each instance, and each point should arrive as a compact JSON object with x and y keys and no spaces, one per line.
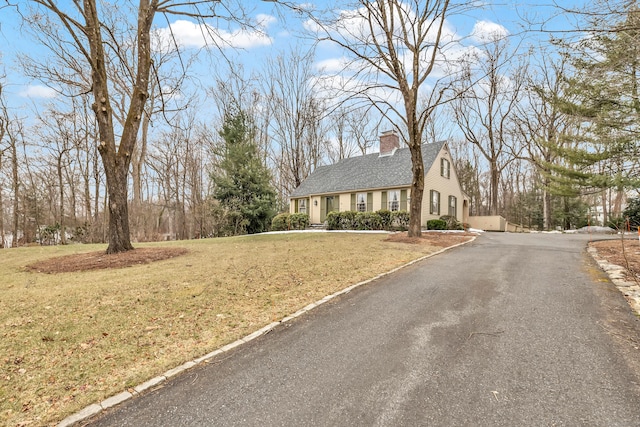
{"x":485,"y":31}
{"x":264,"y":21}
{"x":332,"y":65}
{"x":38,"y":91}
{"x":188,"y":34}
{"x":311,"y":26}
{"x":337,"y":87}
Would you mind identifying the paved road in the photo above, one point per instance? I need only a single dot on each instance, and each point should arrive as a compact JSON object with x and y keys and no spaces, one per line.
{"x":511,"y":330}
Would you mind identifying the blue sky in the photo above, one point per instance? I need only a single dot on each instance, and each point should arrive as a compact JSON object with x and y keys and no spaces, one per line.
{"x":251,"y":48}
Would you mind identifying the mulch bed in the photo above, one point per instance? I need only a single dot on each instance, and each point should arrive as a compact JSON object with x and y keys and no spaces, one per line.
{"x":101,"y":260}
{"x":612,"y":251}
{"x":442,"y":240}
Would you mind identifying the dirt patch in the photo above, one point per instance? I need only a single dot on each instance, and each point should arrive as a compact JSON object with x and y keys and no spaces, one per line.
{"x":442,"y":240}
{"x":100,"y":260}
{"x":627,"y":257}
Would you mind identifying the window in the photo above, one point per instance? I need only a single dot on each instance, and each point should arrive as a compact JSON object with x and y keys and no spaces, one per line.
{"x":302,"y":206}
{"x":393,"y":201}
{"x":445,"y":168}
{"x":361,"y":202}
{"x":453,"y":206}
{"x":435,"y":202}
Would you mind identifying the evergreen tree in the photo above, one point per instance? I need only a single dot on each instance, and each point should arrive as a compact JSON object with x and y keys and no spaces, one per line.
{"x":603,"y":97}
{"x":242,"y":182}
{"x":632,"y":212}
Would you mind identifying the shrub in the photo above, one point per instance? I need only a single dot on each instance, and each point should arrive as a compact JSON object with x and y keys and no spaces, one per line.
{"x":348,"y":220}
{"x":380,"y":220}
{"x":298,"y":221}
{"x":385,"y":219}
{"x":436,"y":224}
{"x":280,"y":222}
{"x":617,"y":223}
{"x":285,"y":221}
{"x":400,"y":220}
{"x":632,"y":211}
{"x":452,"y":222}
{"x":333,"y":221}
{"x":368,"y":221}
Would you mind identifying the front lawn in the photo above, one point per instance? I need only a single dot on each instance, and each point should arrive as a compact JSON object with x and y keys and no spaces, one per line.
{"x":72,"y":339}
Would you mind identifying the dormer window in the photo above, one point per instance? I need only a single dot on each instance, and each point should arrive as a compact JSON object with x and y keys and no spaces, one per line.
{"x":445,"y":168}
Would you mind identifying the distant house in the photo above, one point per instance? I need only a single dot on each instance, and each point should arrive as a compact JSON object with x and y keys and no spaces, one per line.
{"x":382,"y":181}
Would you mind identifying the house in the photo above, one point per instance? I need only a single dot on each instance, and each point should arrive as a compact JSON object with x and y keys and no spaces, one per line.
{"x":382,"y":181}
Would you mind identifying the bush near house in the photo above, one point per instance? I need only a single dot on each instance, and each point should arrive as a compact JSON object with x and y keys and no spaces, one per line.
{"x":298,"y":221}
{"x":379,"y":220}
{"x":452,"y":222}
{"x":436,"y":224}
{"x":400,"y":220}
{"x":286,"y":221}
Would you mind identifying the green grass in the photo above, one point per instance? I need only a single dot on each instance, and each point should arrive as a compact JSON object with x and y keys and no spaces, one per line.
{"x":71,"y":339}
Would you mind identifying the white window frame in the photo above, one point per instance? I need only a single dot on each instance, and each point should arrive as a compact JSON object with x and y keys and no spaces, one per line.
{"x":434,"y":203}
{"x":361,"y":202}
{"x":302,"y":206}
{"x":453,"y":206}
{"x":446,"y":168}
{"x":393,"y":204}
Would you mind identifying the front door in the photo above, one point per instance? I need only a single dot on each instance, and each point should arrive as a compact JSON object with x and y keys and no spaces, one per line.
{"x":327,"y":205}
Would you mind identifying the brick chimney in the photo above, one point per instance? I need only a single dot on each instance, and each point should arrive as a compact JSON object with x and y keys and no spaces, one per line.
{"x":389,"y":142}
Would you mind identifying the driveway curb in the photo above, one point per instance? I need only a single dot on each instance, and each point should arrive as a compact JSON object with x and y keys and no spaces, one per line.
{"x":94,"y":409}
{"x":617,"y":274}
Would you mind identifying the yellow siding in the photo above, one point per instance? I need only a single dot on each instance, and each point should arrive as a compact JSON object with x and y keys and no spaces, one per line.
{"x":446,"y":186}
{"x":314,"y":212}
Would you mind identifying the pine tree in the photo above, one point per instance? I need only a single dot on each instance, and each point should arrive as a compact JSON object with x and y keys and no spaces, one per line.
{"x":603,"y":97}
{"x":242,"y":182}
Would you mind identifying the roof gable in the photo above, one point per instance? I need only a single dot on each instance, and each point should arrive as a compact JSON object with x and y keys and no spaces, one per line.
{"x":370,"y":171}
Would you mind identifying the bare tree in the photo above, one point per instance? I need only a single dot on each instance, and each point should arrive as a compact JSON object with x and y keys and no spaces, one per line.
{"x":3,"y":125}
{"x":394,"y":47}
{"x":296,"y":112}
{"x":469,"y":171}
{"x":59,"y":136}
{"x":541,"y":123}
{"x":11,"y":131}
{"x":79,"y":33}
{"x":486,"y":111}
{"x":356,"y":131}
{"x":178,"y":165}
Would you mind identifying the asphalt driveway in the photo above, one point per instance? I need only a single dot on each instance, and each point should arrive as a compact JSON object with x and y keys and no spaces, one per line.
{"x":510,"y":330}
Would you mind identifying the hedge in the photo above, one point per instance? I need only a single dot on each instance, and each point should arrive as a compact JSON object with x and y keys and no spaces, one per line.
{"x":379,"y":220}
{"x":436,"y":224}
{"x":286,"y":221}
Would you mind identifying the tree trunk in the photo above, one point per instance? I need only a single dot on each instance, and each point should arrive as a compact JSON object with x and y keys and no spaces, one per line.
{"x":417,"y":190}
{"x":116,"y":159}
{"x":63,"y":231}
{"x":117,"y":189}
{"x":16,"y":188}
{"x":546,"y":207}
{"x":1,"y":204}
{"x":605,"y":209}
{"x":495,"y":181}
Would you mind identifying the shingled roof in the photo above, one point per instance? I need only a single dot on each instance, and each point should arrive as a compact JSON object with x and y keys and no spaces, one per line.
{"x":368,"y":172}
